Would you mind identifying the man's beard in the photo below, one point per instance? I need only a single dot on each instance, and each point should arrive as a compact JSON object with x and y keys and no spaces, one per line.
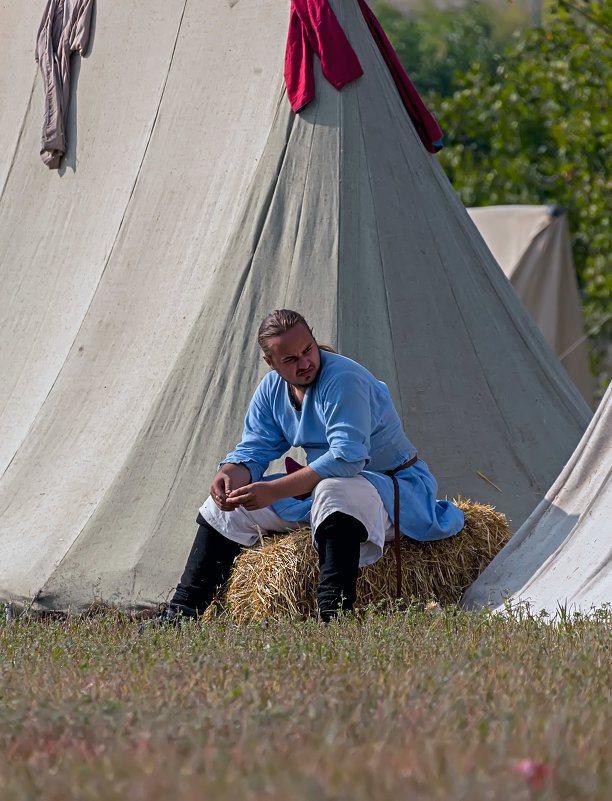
{"x":310,"y":383}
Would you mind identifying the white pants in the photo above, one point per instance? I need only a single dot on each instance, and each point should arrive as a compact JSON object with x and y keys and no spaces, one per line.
{"x":353,"y":496}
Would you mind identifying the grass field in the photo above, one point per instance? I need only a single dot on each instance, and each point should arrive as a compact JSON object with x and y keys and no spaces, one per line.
{"x":409,"y":704}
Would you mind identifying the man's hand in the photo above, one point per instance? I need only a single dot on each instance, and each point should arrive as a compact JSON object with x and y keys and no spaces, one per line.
{"x":253,"y":496}
{"x":263,"y":493}
{"x":228,"y":478}
{"x":232,"y":487}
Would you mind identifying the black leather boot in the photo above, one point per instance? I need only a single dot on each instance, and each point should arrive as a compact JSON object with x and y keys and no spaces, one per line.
{"x":338,"y":539}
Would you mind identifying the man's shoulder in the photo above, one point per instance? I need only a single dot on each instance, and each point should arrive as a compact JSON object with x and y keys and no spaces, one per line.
{"x":337,"y":363}
{"x":336,"y":368}
{"x":268,"y":384}
{"x":270,"y":394}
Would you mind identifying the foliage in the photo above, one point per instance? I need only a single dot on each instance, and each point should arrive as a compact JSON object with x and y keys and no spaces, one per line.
{"x":413,"y":704}
{"x":436,"y":45}
{"x":539,"y":130}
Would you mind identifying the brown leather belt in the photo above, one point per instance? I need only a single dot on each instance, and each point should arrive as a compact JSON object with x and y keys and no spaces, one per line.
{"x":396,"y":522}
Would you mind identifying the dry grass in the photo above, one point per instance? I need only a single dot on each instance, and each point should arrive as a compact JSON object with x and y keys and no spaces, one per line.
{"x":405,"y":704}
{"x":280,"y":576}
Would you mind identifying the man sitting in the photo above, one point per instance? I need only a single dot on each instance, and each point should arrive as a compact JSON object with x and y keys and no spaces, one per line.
{"x":344,"y":419}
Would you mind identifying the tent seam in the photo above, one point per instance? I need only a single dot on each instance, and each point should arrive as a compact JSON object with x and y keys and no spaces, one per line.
{"x":299,"y":221}
{"x":19,"y":138}
{"x":382,"y":262}
{"x":339,"y":259}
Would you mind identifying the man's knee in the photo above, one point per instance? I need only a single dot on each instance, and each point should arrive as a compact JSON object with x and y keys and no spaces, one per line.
{"x":334,"y":494}
{"x":328,"y":488}
{"x":207,"y":521}
{"x":211,"y":516}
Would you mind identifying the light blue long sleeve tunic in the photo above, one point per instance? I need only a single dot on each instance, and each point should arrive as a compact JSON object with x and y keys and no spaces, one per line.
{"x":347,"y":426}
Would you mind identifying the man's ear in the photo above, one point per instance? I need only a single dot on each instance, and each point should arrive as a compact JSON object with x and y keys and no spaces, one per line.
{"x":267,"y":361}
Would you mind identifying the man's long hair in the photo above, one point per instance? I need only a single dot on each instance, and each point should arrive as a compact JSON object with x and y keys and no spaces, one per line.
{"x":278,"y":322}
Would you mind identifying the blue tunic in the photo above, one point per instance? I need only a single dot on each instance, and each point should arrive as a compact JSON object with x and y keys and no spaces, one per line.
{"x":347,"y":426}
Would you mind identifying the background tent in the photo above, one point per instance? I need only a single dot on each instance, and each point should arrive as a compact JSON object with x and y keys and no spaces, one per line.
{"x":191,"y":202}
{"x":562,"y":555}
{"x":532,"y":246}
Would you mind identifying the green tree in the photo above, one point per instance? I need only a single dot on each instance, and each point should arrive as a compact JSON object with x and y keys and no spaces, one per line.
{"x":437,"y":45}
{"x":538,"y":129}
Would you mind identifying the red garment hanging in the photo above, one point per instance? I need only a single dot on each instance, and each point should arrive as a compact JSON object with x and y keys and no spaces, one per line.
{"x":313,"y":28}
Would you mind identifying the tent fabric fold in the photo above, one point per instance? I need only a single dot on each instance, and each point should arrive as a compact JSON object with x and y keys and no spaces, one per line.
{"x":561,"y":557}
{"x":137,"y":337}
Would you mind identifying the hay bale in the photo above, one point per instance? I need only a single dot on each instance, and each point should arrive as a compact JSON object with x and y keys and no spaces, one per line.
{"x":277,"y":578}
{"x":280,"y":576}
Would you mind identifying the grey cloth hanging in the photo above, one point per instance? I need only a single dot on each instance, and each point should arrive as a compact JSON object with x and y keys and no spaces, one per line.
{"x":64,"y":30}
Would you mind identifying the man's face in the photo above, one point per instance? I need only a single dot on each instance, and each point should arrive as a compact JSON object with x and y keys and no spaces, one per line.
{"x":295,"y":356}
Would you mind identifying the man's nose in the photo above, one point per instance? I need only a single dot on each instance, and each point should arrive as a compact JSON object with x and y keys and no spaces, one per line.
{"x":303,"y":363}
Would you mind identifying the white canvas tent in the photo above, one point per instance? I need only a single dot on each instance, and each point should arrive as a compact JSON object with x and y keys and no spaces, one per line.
{"x":532,"y":246}
{"x":561,"y":557}
{"x":191,"y":202}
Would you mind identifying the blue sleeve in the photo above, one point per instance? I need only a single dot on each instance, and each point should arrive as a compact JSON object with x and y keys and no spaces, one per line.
{"x":348,"y":423}
{"x":262,"y":439}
